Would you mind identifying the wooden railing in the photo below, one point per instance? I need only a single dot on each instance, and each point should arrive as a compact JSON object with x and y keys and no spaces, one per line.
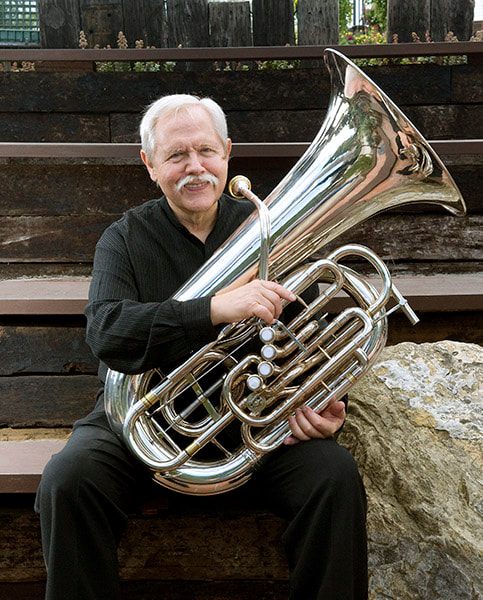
{"x":245,"y":53}
{"x":254,"y":149}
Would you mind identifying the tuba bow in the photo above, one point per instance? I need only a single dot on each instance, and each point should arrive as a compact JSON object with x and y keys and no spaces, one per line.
{"x":203,"y":427}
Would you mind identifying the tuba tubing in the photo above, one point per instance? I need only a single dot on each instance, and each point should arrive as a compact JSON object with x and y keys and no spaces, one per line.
{"x":366,"y":158}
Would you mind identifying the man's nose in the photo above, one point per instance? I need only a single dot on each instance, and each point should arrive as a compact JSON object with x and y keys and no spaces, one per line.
{"x":194,"y":164}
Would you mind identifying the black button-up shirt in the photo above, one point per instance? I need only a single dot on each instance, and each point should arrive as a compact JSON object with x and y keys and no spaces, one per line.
{"x":141,"y":260}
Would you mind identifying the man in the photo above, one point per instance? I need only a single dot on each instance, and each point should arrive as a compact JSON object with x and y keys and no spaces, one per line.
{"x":133,"y":325}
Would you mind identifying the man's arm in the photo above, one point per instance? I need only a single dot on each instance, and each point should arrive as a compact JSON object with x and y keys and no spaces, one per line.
{"x":132,"y":336}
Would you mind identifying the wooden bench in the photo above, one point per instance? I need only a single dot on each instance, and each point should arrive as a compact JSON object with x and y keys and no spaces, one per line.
{"x":22,"y":461}
{"x":68,"y":297}
{"x":22,"y":464}
{"x":204,"y":548}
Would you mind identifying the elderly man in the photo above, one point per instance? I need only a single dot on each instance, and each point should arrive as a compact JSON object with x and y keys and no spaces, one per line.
{"x":133,"y":325}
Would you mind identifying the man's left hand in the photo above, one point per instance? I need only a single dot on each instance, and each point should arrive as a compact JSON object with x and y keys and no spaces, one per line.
{"x":306,"y":424}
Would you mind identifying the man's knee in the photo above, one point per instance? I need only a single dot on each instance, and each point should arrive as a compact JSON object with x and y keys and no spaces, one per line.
{"x":327,"y":469}
{"x":60,"y":479}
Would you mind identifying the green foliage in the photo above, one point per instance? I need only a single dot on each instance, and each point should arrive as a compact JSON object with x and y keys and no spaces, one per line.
{"x":371,"y":35}
{"x":277,"y":65}
{"x":345,"y":15}
{"x":138,"y":66}
{"x":376,"y":15}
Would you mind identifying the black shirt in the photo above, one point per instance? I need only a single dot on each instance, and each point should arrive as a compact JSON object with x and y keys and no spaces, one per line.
{"x":140,"y":262}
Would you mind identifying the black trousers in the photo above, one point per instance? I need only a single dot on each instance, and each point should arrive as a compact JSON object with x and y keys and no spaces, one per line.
{"x":89,"y":488}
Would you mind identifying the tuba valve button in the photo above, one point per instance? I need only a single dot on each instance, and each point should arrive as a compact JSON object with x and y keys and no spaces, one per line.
{"x":267,"y":335}
{"x":268,"y":352}
{"x":265,"y":368}
{"x":254,"y":382}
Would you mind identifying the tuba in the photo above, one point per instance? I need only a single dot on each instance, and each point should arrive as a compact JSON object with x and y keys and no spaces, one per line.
{"x":203,"y":428}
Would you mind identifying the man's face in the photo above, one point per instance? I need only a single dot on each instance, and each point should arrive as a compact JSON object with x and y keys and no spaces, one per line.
{"x":189,"y":164}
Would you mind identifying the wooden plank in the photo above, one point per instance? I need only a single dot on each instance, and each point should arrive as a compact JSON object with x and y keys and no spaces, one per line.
{"x":44,"y":188}
{"x":98,"y":190}
{"x":187,"y":23}
{"x":243,"y":53}
{"x":101,"y":21}
{"x":436,"y":325}
{"x":407,"y":16}
{"x":51,"y":239}
{"x":206,"y":540}
{"x":51,"y":297}
{"x":73,"y":238}
{"x":467,"y":84}
{"x":55,"y":348}
{"x":69,"y":150}
{"x":179,"y":590}
{"x":239,"y":149}
{"x":59,"y":22}
{"x":234,"y":589}
{"x":145,"y":20}
{"x":46,"y":401}
{"x":22,"y":463}
{"x":47,"y":270}
{"x":293,"y":89}
{"x":318,"y":22}
{"x":230,"y":24}
{"x":54,"y":127}
{"x":43,"y":296}
{"x":50,"y":203}
{"x":273,"y":22}
{"x":452,"y":16}
{"x":104,"y":93}
{"x":201,"y":545}
{"x":447,"y":121}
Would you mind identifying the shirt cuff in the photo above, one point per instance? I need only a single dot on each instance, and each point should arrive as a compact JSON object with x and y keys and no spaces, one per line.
{"x":196,"y":319}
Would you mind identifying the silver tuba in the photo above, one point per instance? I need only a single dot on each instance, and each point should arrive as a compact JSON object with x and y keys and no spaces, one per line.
{"x":203,"y":427}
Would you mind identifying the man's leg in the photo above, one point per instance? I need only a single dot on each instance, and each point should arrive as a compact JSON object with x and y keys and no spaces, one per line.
{"x":317,"y":487}
{"x":83,"y":499}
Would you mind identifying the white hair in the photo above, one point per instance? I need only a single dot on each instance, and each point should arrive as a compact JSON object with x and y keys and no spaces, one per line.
{"x":169,"y":105}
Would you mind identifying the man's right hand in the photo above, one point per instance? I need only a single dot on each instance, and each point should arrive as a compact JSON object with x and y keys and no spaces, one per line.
{"x":262,"y":299}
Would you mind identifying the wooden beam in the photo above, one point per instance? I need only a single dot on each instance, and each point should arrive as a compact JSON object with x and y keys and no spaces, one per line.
{"x":43,"y":296}
{"x":253,"y":149}
{"x":241,"y":53}
{"x":22,"y":463}
{"x":442,"y":293}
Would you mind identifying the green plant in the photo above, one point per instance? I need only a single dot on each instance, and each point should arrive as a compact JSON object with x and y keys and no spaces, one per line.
{"x":345,"y":15}
{"x":375,"y":16}
{"x":371,"y":35}
{"x":276,"y":65}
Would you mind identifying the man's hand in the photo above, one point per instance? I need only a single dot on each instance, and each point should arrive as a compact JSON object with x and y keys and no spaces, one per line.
{"x":262,"y":299}
{"x":306,"y":424}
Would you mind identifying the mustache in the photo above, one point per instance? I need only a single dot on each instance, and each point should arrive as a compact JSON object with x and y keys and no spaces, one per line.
{"x":206,"y":178}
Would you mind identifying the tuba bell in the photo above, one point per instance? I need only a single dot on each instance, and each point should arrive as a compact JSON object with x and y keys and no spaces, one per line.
{"x":203,"y":427}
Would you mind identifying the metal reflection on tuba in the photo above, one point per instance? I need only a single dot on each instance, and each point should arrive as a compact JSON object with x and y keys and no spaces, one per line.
{"x":203,"y":427}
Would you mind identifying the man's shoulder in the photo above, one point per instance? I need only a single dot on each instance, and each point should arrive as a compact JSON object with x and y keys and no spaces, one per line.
{"x":134,"y":217}
{"x":142,"y":211}
{"x":236,"y":206}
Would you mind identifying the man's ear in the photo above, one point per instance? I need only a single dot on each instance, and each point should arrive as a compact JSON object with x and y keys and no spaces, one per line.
{"x":228,"y":148}
{"x":149,"y":166}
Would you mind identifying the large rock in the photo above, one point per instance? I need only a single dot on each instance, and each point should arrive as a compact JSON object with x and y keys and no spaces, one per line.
{"x":415,"y":428}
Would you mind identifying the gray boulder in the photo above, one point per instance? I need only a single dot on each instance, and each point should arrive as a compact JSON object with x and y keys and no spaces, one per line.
{"x":415,"y":428}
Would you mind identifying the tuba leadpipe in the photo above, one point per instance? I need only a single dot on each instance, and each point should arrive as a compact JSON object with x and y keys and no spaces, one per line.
{"x":366,"y":158}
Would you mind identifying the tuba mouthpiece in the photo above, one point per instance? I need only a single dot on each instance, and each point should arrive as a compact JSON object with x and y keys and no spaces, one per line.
{"x":238,"y":183}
